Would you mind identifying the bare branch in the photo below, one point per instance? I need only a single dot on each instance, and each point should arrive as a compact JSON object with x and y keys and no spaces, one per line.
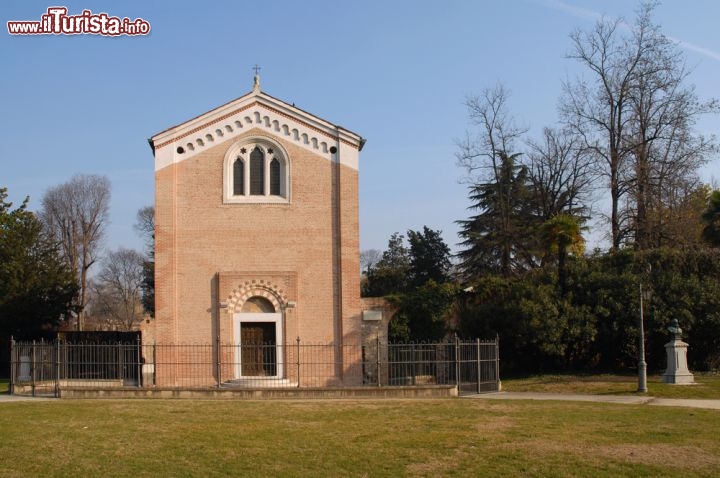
{"x":118,"y":290}
{"x":635,"y":115}
{"x":497,"y":133}
{"x":75,"y":214}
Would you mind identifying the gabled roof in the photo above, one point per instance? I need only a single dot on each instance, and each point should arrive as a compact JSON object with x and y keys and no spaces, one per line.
{"x":256,"y":109}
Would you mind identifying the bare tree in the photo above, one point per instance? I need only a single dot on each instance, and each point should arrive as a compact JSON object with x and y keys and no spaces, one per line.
{"x":636,"y":116}
{"x":118,"y":289}
{"x":497,"y":134}
{"x":665,"y":153}
{"x":368,"y":259}
{"x":562,"y":175}
{"x":75,"y":214}
{"x":598,"y":111}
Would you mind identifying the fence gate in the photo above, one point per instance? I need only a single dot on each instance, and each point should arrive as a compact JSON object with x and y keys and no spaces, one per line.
{"x":473,"y":366}
{"x":40,"y":369}
{"x":33,"y":369}
{"x":478,"y":366}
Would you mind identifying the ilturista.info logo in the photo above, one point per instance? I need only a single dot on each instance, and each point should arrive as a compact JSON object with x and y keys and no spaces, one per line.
{"x":57,"y":22}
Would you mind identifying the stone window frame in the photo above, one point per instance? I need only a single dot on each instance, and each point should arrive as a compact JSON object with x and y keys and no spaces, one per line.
{"x":271,"y":150}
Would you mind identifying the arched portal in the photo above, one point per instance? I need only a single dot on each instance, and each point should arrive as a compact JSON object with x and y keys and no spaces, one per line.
{"x":258,"y":338}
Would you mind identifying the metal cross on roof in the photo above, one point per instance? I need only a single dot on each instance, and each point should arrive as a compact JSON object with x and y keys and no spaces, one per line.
{"x":256,"y":80}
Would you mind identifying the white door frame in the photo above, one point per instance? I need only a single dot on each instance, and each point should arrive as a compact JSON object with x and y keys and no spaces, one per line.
{"x":275,"y":318}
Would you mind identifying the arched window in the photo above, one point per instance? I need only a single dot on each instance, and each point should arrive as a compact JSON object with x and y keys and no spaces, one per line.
{"x":239,"y":177}
{"x":257,"y":170}
{"x":275,"y":177}
{"x":258,"y":304}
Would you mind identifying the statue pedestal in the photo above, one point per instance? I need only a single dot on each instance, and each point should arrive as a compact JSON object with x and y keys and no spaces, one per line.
{"x":677,"y":370}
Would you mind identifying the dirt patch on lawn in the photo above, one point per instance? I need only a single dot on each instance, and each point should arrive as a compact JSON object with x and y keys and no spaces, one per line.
{"x":666,"y":455}
{"x":495,"y":424}
{"x":682,"y":457}
{"x":444,"y":463}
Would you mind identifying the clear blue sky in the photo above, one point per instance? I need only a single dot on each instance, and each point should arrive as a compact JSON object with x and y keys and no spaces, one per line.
{"x":396,"y":72}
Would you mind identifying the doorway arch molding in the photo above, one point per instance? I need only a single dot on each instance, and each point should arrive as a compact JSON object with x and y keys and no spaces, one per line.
{"x":257,"y":288}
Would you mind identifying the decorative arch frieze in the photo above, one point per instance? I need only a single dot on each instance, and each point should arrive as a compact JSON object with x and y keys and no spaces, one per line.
{"x":256,"y":111}
{"x":269,"y":290}
{"x":228,"y":127}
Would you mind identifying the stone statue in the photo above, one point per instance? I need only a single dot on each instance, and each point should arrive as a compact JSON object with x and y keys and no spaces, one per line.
{"x":675,"y":329}
{"x":677,"y":370}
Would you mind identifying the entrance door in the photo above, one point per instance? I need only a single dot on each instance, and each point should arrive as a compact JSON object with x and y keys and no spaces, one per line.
{"x":258,"y":345}
{"x":258,"y":349}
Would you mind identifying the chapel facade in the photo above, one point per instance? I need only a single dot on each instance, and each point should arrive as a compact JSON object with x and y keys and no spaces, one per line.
{"x":256,"y":234}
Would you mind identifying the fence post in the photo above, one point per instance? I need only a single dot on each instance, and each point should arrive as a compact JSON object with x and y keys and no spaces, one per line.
{"x":498,"y":385}
{"x":479,"y":363}
{"x":154,"y":368}
{"x":57,"y":368}
{"x":457,"y":363}
{"x":218,"y":361}
{"x":413,"y":359}
{"x":12,"y":366}
{"x":297,"y":359}
{"x":139,"y":363}
{"x":62,"y":359}
{"x":121,"y":362}
{"x":377,"y":357}
{"x":32,"y":369}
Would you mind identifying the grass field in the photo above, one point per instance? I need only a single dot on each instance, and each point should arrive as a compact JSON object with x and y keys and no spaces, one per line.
{"x":707,"y":386}
{"x":453,"y":437}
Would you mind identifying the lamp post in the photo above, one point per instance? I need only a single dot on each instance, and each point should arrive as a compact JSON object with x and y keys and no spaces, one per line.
{"x":642,"y":365}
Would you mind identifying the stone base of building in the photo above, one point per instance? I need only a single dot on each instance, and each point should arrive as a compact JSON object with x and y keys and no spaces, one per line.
{"x":436,"y":391}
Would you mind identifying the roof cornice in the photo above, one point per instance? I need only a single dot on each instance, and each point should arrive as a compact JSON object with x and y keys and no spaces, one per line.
{"x":245,"y":102}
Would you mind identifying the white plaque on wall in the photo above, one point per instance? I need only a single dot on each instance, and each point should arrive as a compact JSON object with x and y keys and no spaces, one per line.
{"x":372,"y":315}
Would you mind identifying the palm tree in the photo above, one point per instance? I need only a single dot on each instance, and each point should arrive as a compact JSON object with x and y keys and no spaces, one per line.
{"x":562,"y":234}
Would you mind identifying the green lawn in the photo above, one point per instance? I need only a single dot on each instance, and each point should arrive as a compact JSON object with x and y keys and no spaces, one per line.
{"x":706,"y":386}
{"x":452,"y":437}
{"x":4,"y":385}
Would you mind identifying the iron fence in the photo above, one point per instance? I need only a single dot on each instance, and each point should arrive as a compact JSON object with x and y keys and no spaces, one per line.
{"x":42,"y":368}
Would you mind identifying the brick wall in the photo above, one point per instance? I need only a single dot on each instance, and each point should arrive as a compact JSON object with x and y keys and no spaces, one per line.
{"x":211,"y":256}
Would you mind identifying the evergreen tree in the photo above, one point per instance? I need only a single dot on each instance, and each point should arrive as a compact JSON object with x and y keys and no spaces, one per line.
{"x":422,"y":312}
{"x":391,"y":274}
{"x":36,"y":287}
{"x":429,"y":257}
{"x":145,"y":227}
{"x":711,"y":218}
{"x":417,"y":281}
{"x":500,"y":238}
